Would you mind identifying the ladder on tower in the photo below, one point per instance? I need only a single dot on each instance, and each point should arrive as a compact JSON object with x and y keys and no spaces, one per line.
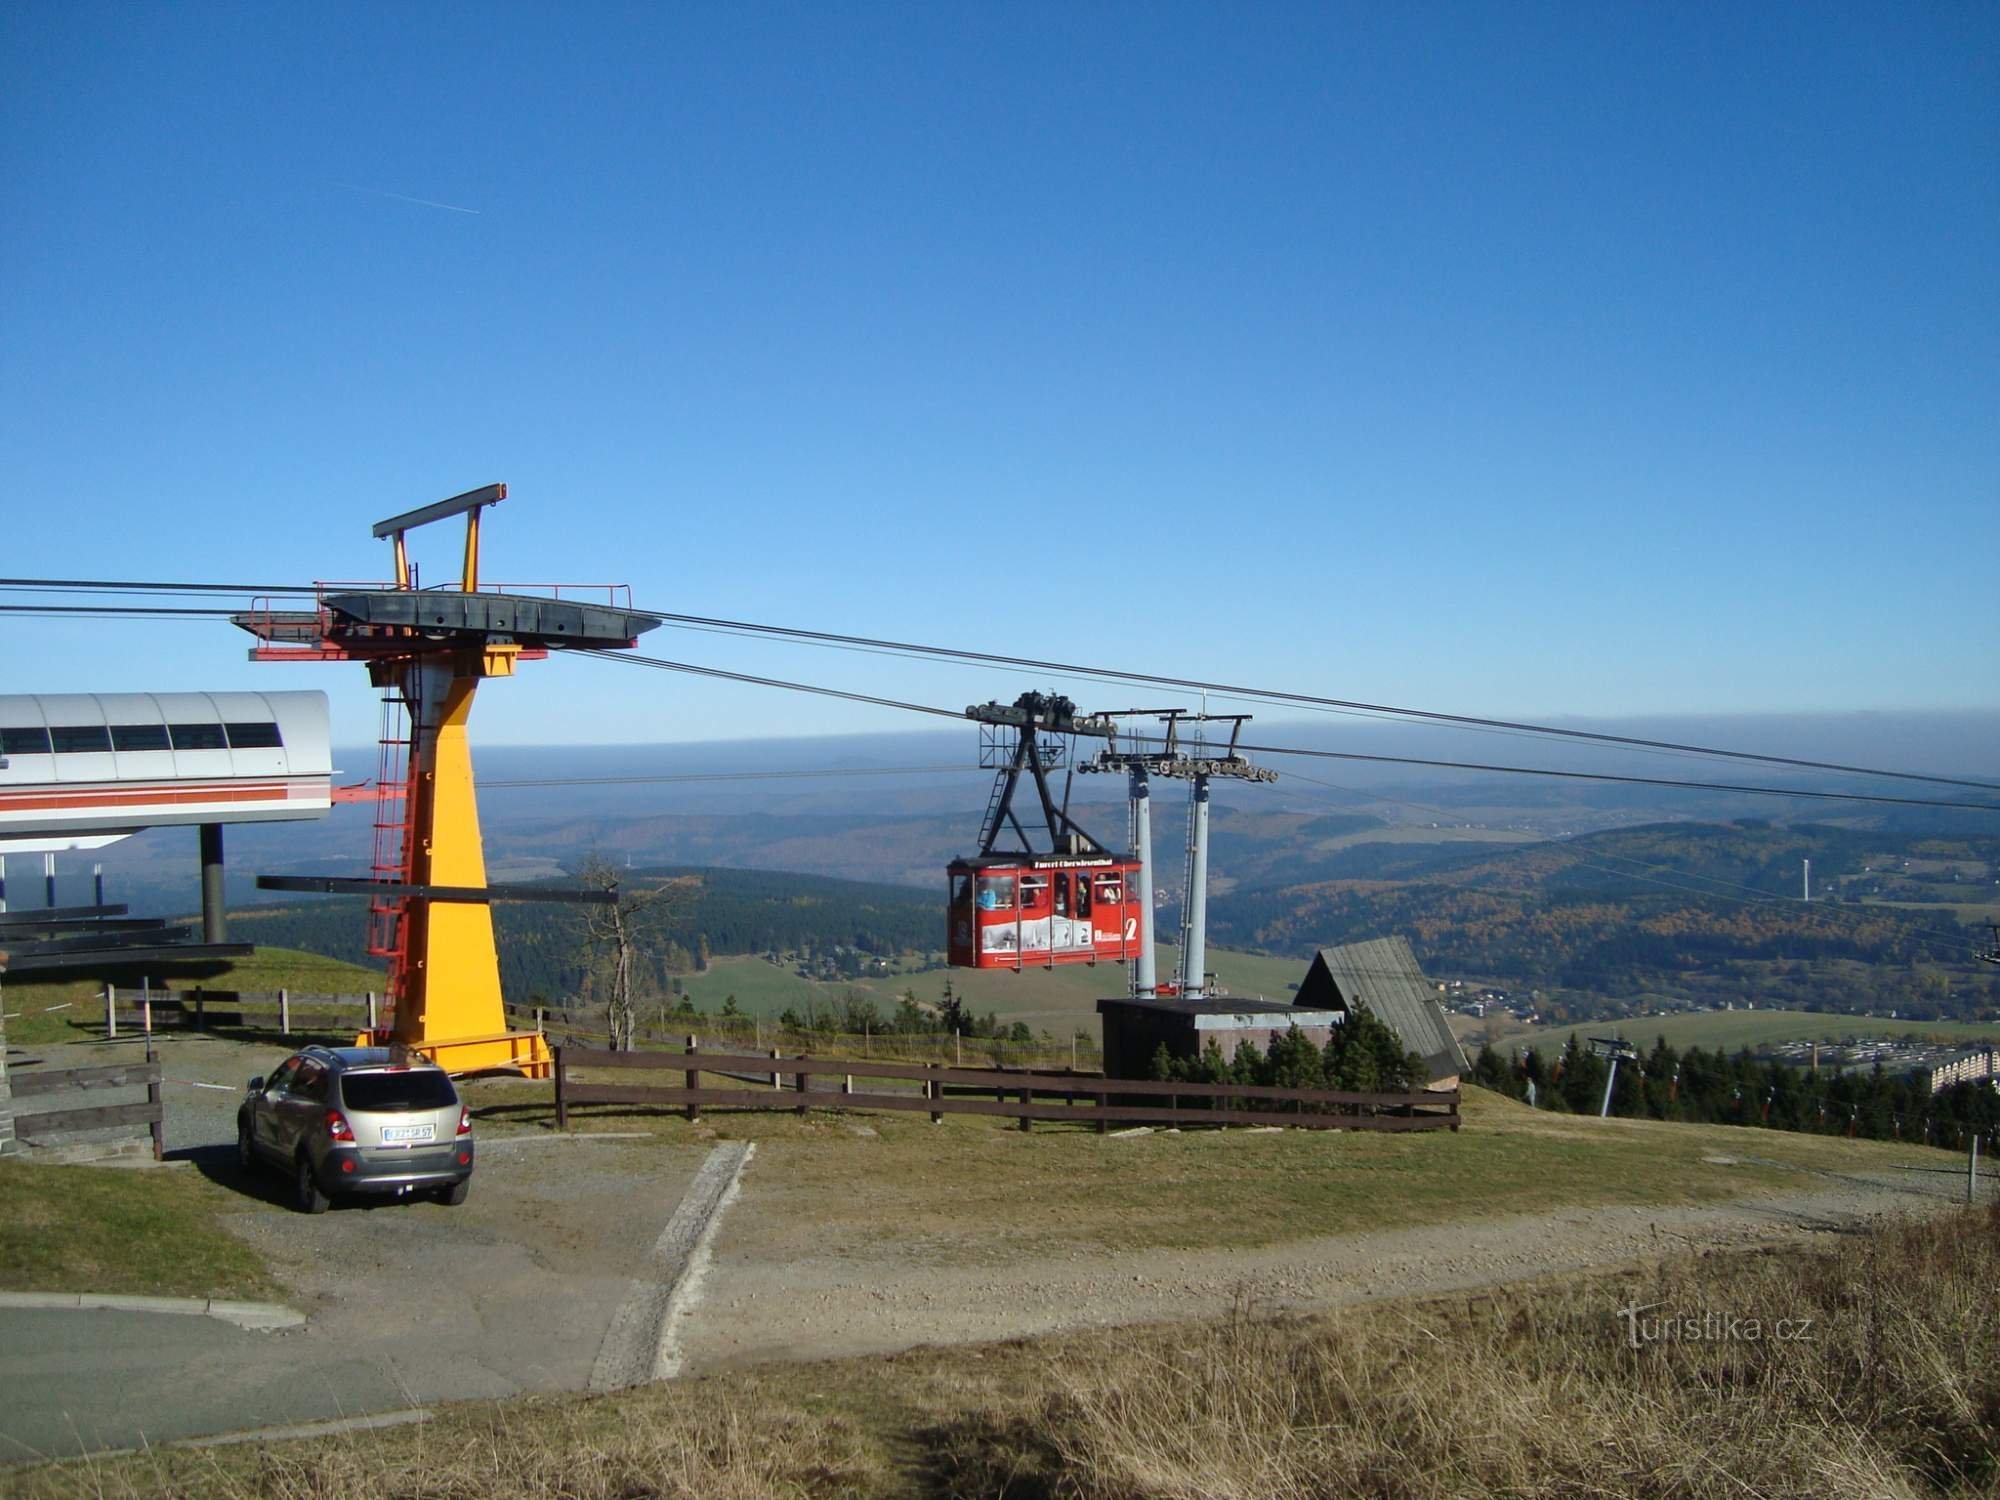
{"x":388,"y":929}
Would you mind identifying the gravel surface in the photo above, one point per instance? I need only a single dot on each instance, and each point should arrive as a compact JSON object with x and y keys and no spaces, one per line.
{"x":761,"y":1309}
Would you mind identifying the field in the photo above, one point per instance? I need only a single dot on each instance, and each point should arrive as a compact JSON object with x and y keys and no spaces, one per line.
{"x":31,"y":1021}
{"x":951,"y":1194}
{"x":1528,"y":1389}
{"x":1731,"y":1029}
{"x":1739,"y":1029}
{"x":1058,"y":1001}
{"x":120,"y":1229}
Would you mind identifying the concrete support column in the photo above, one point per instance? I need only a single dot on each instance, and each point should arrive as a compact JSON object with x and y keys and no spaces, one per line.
{"x":1145,"y":977}
{"x":214,"y":917}
{"x":1194,"y":951}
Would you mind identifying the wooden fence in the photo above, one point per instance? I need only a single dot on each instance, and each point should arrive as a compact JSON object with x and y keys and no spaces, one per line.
{"x":48,"y":1112}
{"x":1020,"y":1094}
{"x":139,"y":1012}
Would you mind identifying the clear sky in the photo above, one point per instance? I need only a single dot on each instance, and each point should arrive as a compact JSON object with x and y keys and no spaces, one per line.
{"x":1513,"y":359}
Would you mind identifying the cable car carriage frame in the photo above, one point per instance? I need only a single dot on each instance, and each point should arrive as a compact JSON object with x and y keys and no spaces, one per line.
{"x":1074,"y":901}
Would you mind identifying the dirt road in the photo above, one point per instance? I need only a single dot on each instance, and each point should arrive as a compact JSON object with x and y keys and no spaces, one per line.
{"x":760,"y":1308}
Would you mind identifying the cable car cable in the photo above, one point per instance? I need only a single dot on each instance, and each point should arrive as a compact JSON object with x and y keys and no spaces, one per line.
{"x":665,"y":778}
{"x":1814,"y":910}
{"x":662,"y":664}
{"x":117,"y":585}
{"x":1279,"y":696}
{"x":125,"y":611}
{"x":1189,"y":684}
{"x":1707,"y":786}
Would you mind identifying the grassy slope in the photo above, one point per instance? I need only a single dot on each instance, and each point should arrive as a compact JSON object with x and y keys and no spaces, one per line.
{"x":121,"y":1229}
{"x":1526,"y":1391}
{"x":1056,"y":1000}
{"x":955,"y":1192}
{"x":26,"y":1001}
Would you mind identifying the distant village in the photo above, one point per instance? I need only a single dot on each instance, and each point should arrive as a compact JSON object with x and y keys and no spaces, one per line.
{"x":1944,"y":1063}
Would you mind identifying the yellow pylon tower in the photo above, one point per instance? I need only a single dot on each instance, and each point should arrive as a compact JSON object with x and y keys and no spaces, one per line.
{"x":429,"y":650}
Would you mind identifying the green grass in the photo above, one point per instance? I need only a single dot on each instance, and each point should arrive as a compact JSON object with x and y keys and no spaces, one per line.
{"x":1732,"y":1029}
{"x":121,"y":1229}
{"x":32,"y":1022}
{"x":1055,"y":1000}
{"x":956,"y":1192}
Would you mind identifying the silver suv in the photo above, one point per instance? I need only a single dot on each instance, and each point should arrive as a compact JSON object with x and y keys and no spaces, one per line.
{"x":358,"y":1120}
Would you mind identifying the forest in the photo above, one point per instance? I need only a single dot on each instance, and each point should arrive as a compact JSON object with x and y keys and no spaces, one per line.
{"x":1718,"y":1088}
{"x":712,"y":911}
{"x":1708,"y":913}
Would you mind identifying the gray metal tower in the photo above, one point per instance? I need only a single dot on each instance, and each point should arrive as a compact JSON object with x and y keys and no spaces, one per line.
{"x":1169,"y":757}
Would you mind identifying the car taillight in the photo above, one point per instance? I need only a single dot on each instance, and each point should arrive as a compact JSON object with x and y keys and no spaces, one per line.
{"x":464,"y":1120}
{"x":337,"y":1128}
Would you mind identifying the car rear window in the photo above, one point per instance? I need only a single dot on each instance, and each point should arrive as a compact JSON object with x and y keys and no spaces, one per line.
{"x":397,"y":1091}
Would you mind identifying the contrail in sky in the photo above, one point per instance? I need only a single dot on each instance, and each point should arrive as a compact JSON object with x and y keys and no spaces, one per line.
{"x":405,"y":198}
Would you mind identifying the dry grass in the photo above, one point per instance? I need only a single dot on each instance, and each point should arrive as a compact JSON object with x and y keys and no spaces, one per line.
{"x":1888,"y":1386}
{"x":708,"y":1449}
{"x":1894,"y":1390}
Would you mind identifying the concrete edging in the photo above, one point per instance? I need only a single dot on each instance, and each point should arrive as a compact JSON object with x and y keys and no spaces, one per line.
{"x":639,"y":1345}
{"x":261,"y":1317}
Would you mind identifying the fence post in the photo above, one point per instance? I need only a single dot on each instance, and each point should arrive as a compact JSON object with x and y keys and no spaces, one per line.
{"x":693,"y":1079}
{"x":1972,"y":1168}
{"x":200,"y":1009}
{"x":932,"y":1090}
{"x":562,"y":1094}
{"x":154,"y":1098}
{"x":111,"y":1011}
{"x":372,"y":1019}
{"x":1103,"y":1124}
{"x":799,"y":1082}
{"x":146,"y":1005}
{"x":774,"y":1071}
{"x":1454,"y":1109}
{"x":285,"y":1012}
{"x":1027,"y":1098}
{"x":957,"y":1049}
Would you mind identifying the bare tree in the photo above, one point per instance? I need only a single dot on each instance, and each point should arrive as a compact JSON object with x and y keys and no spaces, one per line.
{"x":617,"y":935}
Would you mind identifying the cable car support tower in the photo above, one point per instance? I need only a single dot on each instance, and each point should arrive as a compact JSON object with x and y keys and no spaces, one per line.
{"x":428,"y":650}
{"x":1195,"y":764}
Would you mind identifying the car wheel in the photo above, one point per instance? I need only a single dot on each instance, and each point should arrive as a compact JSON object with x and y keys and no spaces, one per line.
{"x":454,"y":1195}
{"x":309,"y":1198}
{"x":246,"y":1154}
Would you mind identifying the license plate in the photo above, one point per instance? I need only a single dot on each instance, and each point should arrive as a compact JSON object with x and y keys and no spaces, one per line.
{"x":403,"y":1135}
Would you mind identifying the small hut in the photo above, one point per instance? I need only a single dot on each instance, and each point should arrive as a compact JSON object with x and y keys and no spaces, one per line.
{"x":1382,"y":974}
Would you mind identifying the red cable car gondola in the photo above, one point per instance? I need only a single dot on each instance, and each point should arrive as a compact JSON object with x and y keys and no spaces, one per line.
{"x":1074,"y":902}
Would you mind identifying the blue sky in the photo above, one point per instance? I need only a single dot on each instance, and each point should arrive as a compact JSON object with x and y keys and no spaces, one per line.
{"x":1524,"y":360}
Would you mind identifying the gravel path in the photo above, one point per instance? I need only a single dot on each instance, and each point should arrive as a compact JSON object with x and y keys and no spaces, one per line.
{"x":817,"y":1307}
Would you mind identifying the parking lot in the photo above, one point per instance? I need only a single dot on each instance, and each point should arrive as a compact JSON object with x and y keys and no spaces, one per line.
{"x":407,"y":1303}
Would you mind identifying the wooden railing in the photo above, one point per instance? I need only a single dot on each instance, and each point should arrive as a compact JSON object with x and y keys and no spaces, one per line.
{"x":47,"y":1109}
{"x":1020,"y":1094}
